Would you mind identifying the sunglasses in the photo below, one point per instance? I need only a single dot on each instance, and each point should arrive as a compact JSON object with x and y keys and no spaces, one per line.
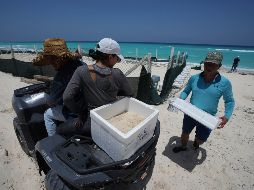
{"x":118,"y":58}
{"x":210,"y":64}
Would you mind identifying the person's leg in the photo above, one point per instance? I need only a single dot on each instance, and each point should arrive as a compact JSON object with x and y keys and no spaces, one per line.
{"x":188,"y":125}
{"x":185,"y":139}
{"x":197,"y":142}
{"x":234,"y":69}
{"x":202,"y":134}
{"x":50,"y":117}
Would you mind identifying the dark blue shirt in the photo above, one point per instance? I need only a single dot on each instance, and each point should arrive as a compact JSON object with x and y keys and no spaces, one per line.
{"x":60,"y":81}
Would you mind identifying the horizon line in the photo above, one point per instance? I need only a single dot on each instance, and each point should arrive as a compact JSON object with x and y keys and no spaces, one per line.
{"x":171,"y":43}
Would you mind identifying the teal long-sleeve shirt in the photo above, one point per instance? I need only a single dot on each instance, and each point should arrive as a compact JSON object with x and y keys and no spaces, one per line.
{"x":206,"y":96}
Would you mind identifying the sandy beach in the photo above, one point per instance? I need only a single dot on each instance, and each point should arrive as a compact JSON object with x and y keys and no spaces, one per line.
{"x":225,"y":161}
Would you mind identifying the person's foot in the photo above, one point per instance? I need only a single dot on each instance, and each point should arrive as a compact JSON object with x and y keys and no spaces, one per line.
{"x":179,"y":149}
{"x":195,"y":145}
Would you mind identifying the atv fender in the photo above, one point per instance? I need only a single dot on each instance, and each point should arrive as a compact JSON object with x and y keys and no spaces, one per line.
{"x":43,"y":149}
{"x":48,"y":161}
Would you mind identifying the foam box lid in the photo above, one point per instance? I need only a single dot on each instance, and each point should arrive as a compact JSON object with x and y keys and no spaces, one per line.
{"x":199,"y":115}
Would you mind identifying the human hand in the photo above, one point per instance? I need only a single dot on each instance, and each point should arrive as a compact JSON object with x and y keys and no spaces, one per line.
{"x":79,"y":122}
{"x":223,"y":122}
{"x":51,"y":104}
{"x":180,"y":97}
{"x":120,"y":97}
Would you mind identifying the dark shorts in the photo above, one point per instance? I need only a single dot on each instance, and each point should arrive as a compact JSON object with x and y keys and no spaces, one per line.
{"x":202,"y":132}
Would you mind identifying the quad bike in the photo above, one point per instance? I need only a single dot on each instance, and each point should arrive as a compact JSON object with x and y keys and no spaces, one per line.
{"x":74,"y":162}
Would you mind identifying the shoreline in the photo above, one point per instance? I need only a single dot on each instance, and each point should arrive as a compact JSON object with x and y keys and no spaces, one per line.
{"x":26,"y":57}
{"x":227,"y":69}
{"x":161,"y":52}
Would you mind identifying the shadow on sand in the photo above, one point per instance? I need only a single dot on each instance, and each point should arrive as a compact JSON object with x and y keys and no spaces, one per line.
{"x":186,"y":159}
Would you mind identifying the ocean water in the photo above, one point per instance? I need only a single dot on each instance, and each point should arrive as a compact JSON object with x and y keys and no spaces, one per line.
{"x":196,"y":53}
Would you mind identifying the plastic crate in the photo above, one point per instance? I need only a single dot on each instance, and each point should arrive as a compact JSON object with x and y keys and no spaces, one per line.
{"x":116,"y":144}
{"x":199,"y":115}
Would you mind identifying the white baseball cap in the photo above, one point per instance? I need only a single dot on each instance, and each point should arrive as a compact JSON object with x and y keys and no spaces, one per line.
{"x":109,"y":46}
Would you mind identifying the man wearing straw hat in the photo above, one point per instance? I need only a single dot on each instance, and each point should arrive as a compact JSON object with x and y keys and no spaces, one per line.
{"x":207,"y":88}
{"x":65,"y":63}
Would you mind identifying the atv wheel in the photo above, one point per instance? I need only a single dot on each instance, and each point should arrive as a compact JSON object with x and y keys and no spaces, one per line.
{"x":54,"y":182}
{"x":22,"y":141}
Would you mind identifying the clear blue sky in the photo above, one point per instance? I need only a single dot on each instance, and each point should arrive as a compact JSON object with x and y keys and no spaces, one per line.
{"x":228,"y":22}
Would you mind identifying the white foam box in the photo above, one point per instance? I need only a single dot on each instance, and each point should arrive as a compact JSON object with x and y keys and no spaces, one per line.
{"x":199,"y":115}
{"x":116,"y":144}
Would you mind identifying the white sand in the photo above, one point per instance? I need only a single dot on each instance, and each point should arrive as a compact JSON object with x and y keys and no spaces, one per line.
{"x":225,"y":161}
{"x":126,"y":121}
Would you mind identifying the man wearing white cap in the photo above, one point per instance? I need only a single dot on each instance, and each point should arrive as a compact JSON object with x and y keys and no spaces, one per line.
{"x":99,"y":84}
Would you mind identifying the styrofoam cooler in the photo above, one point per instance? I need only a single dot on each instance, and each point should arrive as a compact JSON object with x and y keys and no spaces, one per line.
{"x":199,"y":115}
{"x":116,"y":144}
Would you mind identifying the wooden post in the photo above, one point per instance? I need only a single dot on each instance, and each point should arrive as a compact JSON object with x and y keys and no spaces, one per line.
{"x":171,"y":60}
{"x":12,"y":53}
{"x":14,"y":62}
{"x":35,"y":49}
{"x":136,"y":53}
{"x":183,"y":58}
{"x":149,"y":66}
{"x":141,"y":62}
{"x":79,"y":50}
{"x":177,"y":58}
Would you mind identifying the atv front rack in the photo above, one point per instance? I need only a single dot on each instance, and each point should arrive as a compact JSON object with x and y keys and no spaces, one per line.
{"x":35,"y":88}
{"x":84,"y":156}
{"x":81,"y":154}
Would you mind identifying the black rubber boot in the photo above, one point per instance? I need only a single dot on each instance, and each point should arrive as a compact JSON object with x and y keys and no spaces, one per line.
{"x":179,"y":149}
{"x":195,"y":145}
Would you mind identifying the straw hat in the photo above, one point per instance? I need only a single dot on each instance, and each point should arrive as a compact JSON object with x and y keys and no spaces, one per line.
{"x":57,"y":48}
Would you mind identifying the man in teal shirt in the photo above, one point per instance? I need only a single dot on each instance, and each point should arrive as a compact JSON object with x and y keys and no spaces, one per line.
{"x":207,"y":89}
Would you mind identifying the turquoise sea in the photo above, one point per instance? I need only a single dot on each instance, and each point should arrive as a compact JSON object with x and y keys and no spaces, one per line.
{"x":196,"y":53}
